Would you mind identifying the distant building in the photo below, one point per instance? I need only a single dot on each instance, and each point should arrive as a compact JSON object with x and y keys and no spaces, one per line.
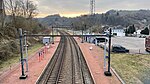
{"x":117,"y":31}
{"x":138,"y":32}
{"x":144,"y":21}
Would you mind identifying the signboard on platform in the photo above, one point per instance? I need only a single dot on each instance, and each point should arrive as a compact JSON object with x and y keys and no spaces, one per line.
{"x":46,"y":40}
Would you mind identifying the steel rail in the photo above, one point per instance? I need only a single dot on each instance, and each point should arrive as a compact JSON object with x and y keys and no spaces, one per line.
{"x":49,"y":68}
{"x":73,"y":63}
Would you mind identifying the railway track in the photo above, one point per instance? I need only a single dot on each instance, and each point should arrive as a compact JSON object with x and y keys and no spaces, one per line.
{"x":67,"y":66}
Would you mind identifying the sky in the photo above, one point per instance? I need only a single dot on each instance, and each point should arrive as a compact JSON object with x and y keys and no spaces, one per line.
{"x":73,"y":8}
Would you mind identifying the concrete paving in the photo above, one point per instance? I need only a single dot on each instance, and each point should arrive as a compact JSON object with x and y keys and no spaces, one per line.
{"x":134,"y":44}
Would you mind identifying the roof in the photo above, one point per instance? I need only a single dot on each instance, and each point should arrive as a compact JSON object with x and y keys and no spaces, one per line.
{"x":116,"y":45}
{"x":118,"y":27}
{"x":46,"y":37}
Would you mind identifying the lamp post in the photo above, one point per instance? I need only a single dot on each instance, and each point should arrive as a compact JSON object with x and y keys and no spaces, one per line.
{"x":72,"y":28}
{"x":23,"y":76}
{"x":108,"y":73}
{"x":90,"y":32}
{"x":52,"y":36}
{"x":82,"y":36}
{"x":85,"y":32}
{"x":82,"y":33}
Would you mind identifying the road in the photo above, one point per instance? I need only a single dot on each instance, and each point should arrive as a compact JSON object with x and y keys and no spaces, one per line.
{"x":134,"y":44}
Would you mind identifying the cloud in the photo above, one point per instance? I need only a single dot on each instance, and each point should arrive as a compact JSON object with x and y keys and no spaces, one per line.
{"x":83,"y":6}
{"x":123,"y":4}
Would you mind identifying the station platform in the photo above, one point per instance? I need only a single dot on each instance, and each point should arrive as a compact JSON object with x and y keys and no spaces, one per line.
{"x":95,"y":60}
{"x":35,"y":67}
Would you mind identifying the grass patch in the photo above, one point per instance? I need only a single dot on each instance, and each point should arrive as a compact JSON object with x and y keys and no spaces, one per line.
{"x":15,"y":59}
{"x":134,"y":69}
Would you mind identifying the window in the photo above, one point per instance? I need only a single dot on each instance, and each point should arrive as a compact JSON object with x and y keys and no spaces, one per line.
{"x":115,"y":34}
{"x":116,"y":48}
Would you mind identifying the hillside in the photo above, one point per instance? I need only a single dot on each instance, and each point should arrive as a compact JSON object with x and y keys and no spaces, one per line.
{"x":55,"y":19}
{"x":112,"y":17}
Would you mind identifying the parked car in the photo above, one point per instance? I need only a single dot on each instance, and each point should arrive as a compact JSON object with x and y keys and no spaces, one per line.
{"x":119,"y":49}
{"x":143,"y":36}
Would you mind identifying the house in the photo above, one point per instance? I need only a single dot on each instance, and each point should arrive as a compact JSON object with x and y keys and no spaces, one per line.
{"x":138,"y":32}
{"x":117,"y":31}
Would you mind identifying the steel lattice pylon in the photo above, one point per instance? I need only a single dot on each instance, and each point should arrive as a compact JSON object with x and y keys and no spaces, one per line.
{"x":92,"y":7}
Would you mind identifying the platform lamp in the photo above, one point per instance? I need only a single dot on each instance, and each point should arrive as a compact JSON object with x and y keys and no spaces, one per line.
{"x":82,"y":36}
{"x":83,"y":30}
{"x":108,"y":73}
{"x":23,"y":76}
{"x":85,"y":26}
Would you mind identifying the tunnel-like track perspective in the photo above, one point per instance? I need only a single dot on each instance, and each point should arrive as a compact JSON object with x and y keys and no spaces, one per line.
{"x":67,"y":66}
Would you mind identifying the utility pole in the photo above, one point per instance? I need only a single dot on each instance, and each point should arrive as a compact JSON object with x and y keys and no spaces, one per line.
{"x":72,"y":28}
{"x":108,"y":73}
{"x":23,"y":76}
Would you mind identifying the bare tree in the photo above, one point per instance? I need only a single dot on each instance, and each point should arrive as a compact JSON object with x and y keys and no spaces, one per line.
{"x":1,"y":11}
{"x":21,"y":11}
{"x":2,"y":16}
{"x":1,"y":6}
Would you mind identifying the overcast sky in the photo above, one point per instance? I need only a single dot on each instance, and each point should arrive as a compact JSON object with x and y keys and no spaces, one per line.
{"x":71,"y":8}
